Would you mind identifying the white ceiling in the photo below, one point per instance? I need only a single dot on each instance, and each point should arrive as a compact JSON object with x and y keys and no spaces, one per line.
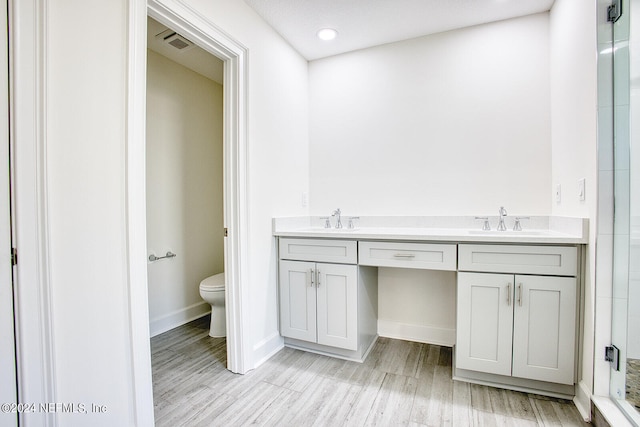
{"x":195,"y":58}
{"x":365,"y":23}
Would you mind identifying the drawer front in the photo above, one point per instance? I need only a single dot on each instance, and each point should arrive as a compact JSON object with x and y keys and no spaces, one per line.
{"x":338,"y":251}
{"x":551,"y":260}
{"x":408,"y":255}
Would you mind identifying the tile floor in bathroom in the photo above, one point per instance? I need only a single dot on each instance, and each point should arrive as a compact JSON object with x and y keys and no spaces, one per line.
{"x":400,"y":383}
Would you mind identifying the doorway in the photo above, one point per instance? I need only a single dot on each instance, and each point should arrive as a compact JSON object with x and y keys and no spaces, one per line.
{"x":184,"y":172}
{"x":208,"y":37}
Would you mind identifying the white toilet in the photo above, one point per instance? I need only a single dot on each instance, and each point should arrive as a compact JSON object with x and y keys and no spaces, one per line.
{"x":212,"y":291}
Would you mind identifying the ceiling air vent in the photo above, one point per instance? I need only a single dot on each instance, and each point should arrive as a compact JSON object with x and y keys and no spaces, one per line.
{"x":176,"y":40}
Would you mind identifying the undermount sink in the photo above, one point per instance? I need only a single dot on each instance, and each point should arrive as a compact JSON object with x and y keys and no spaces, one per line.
{"x":509,"y":233}
{"x":329,"y":230}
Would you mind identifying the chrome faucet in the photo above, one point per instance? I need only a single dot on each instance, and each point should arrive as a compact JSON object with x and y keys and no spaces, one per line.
{"x":503,"y":214}
{"x":485,"y":225}
{"x":351,"y":224}
{"x":337,"y":214}
{"x":517,"y":226}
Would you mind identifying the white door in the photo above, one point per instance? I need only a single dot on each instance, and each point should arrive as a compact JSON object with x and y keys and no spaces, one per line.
{"x":544,"y":328}
{"x":337,"y":293}
{"x":484,"y":322}
{"x":8,"y":383}
{"x":298,"y":300}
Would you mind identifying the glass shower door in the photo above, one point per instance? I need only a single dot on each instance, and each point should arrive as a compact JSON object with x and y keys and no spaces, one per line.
{"x":625,"y":381}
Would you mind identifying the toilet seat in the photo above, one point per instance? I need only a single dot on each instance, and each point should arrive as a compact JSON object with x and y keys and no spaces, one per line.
{"x":213,"y":283}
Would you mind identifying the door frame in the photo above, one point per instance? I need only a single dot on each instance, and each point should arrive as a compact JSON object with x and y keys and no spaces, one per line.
{"x":33,"y":320}
{"x":8,"y":385}
{"x":195,"y":27}
{"x":34,"y":331}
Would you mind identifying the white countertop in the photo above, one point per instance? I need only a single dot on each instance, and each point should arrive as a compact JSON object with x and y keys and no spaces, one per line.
{"x":538,"y":230}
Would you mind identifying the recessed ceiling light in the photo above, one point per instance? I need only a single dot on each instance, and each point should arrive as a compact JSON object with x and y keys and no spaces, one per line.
{"x":327,"y":34}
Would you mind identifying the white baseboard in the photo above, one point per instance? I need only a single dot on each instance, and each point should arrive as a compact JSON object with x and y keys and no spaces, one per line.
{"x":266,"y":348}
{"x":582,"y":400}
{"x":178,"y":318}
{"x":611,"y":412}
{"x":419,"y":333}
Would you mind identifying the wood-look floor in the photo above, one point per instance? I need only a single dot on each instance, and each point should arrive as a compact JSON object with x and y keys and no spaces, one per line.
{"x":400,"y":383}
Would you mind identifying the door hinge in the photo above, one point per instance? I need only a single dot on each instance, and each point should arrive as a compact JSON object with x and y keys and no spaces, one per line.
{"x":614,"y":11}
{"x":612,"y":355}
{"x":14,"y":256}
{"x":226,"y":232}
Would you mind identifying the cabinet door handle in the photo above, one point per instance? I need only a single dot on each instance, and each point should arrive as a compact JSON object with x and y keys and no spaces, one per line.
{"x":312,"y":274}
{"x":509,"y":294}
{"x":318,"y":278}
{"x":404,"y":256}
{"x":520,"y":294}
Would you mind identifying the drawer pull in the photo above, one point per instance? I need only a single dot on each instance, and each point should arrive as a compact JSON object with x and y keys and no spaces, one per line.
{"x":404,"y":256}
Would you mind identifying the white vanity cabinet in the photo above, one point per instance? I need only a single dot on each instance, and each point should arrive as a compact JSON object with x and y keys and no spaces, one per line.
{"x":319,"y":303}
{"x":328,"y":304}
{"x":515,"y":325}
{"x":520,"y":320}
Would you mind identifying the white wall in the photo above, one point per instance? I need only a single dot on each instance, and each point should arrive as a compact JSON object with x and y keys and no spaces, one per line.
{"x":278,"y":151}
{"x":417,"y":305}
{"x":184,"y":189}
{"x":85,"y":179}
{"x":574,"y":136}
{"x":453,"y":123}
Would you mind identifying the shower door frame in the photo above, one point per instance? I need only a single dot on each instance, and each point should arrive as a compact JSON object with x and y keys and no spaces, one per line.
{"x":623,"y":220}
{"x":601,"y":399}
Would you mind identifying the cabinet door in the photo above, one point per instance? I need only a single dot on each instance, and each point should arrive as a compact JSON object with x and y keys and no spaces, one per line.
{"x":544,"y":328}
{"x":337,"y":292}
{"x":297,"y":300}
{"x":484,"y":322}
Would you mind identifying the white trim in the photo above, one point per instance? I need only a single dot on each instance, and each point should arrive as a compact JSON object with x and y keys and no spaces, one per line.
{"x":629,"y":411}
{"x":135,"y":145}
{"x":34,"y":332}
{"x":8,"y":389}
{"x":426,"y":334}
{"x":523,"y":385}
{"x":610,"y":411}
{"x":177,"y":318}
{"x":192,"y":25}
{"x":582,"y":400}
{"x":266,"y":348}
